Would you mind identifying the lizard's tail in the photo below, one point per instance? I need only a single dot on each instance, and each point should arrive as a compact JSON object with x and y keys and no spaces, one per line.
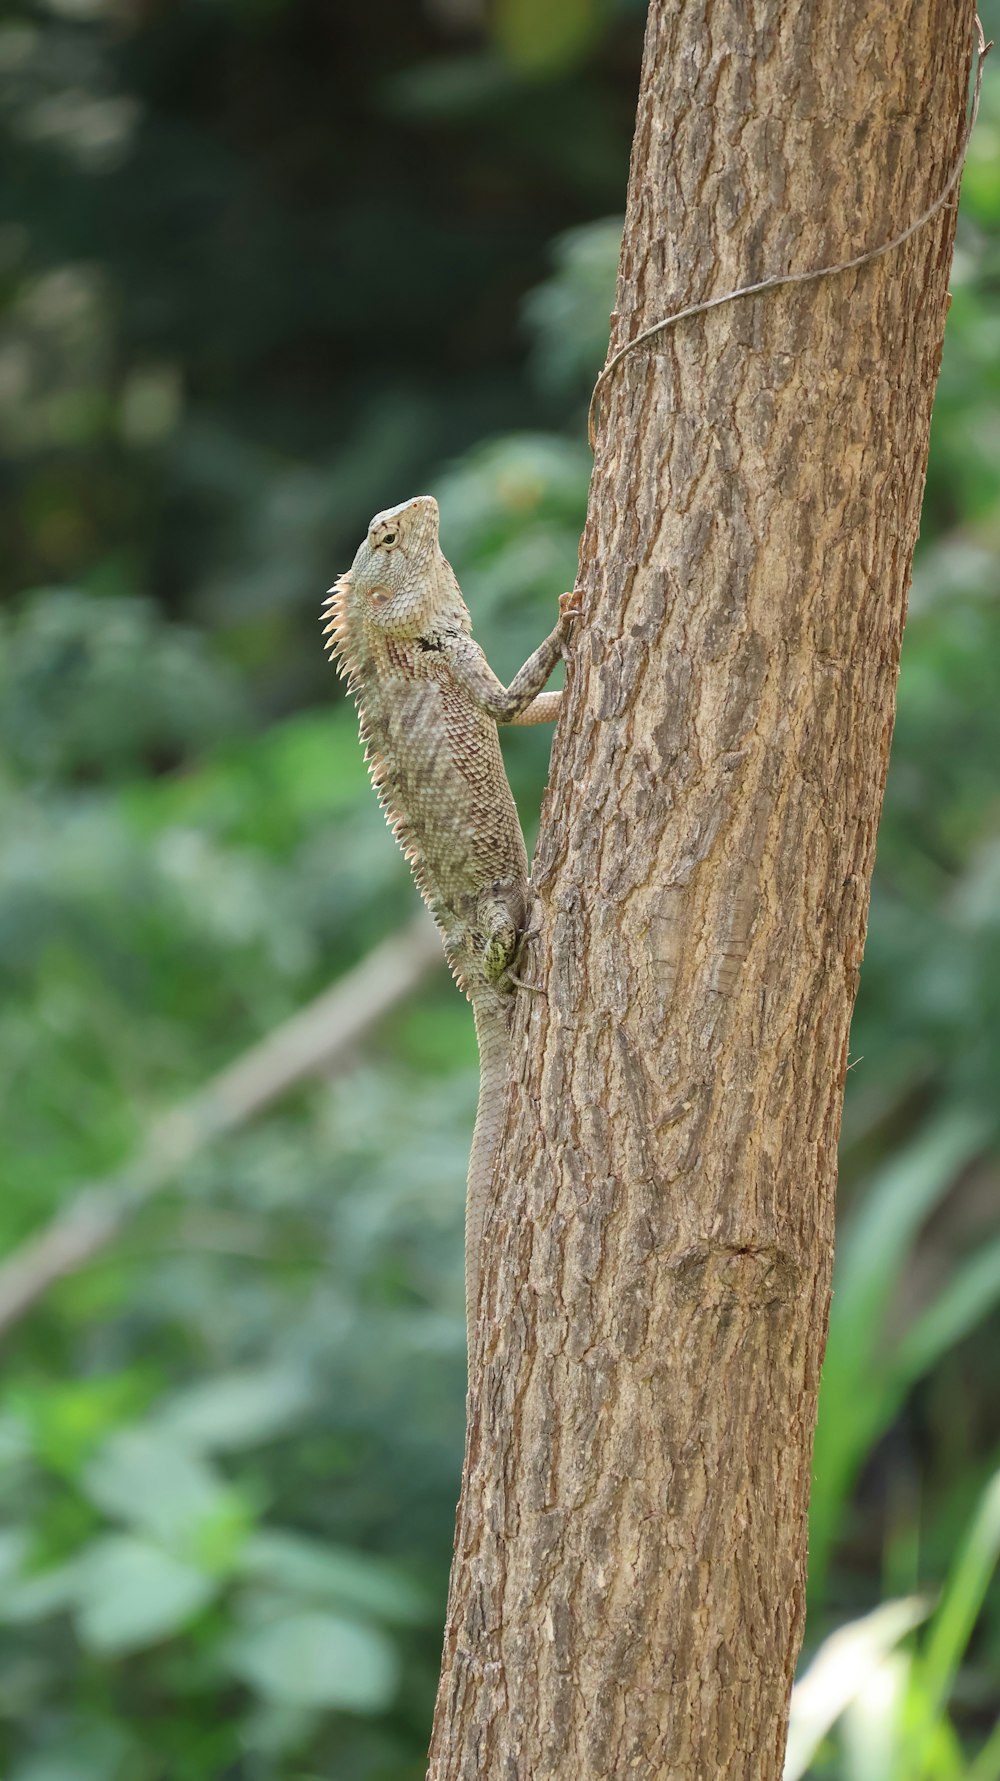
{"x":493,"y":1037}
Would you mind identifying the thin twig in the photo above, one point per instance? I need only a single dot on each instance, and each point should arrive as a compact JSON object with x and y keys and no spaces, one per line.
{"x":982,"y":50}
{"x":313,"y":1040}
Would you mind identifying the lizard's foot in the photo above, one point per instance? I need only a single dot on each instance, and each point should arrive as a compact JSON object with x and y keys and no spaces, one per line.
{"x":500,"y":953}
{"x":498,"y":917}
{"x":569,"y":610}
{"x":496,"y":962}
{"x":534,"y":989}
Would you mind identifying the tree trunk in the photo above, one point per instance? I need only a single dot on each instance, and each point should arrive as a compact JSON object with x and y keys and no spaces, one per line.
{"x":627,"y":1593}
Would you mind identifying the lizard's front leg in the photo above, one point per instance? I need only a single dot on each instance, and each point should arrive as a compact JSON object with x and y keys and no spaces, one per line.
{"x":507,"y":704}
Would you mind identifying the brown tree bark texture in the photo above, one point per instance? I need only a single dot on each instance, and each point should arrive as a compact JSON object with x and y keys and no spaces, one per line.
{"x":627,"y":1593}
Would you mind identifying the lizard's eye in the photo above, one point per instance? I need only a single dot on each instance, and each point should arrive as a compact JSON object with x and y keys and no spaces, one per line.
{"x":388,"y":537}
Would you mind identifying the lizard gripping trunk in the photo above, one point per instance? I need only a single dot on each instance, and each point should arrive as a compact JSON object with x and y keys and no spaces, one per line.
{"x":429,"y":705}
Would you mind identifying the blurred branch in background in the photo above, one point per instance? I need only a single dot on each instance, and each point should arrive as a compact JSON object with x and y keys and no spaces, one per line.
{"x":314,"y":1040}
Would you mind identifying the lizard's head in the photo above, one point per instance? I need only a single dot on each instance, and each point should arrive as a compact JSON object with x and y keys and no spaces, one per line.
{"x":394,"y":576}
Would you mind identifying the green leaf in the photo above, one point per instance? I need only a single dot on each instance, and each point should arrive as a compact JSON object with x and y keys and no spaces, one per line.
{"x":131,"y":1594}
{"x":234,"y":1410}
{"x":36,"y":1597}
{"x":952,"y":1625}
{"x":987,"y":1764}
{"x":857,"y":1394}
{"x":101,"y":683}
{"x":870,"y":1724}
{"x":842,"y":1666}
{"x":568,"y":314}
{"x":86,"y":1753}
{"x":148,"y":1479}
{"x":874,"y":1249}
{"x":69,"y":1419}
{"x":335,"y":1574}
{"x":542,"y":39}
{"x":317,"y":1660}
{"x":967,"y":1298}
{"x":14,"y":1543}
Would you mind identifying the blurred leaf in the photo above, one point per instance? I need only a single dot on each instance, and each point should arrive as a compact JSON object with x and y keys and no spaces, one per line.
{"x":506,"y":488}
{"x":13,"y":1548}
{"x":131,"y":1594}
{"x":145,"y":1477}
{"x":541,"y":39}
{"x":447,"y":88}
{"x":986,"y":1766}
{"x":87,"y":1753}
{"x":950,"y":1632}
{"x":322,"y":1572}
{"x":15,"y":1441}
{"x":317,"y":1659}
{"x":88,"y":684}
{"x":966,"y":1301}
{"x":68,"y":1419}
{"x":36,"y":1596}
{"x":869,"y":1726}
{"x":856,"y":1393}
{"x":235,"y":1410}
{"x":568,"y":314}
{"x":873,"y":1249}
{"x":841,"y":1668}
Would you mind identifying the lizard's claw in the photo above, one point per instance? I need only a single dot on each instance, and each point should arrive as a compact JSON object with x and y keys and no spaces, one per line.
{"x":569,"y":609}
{"x":527,"y":936}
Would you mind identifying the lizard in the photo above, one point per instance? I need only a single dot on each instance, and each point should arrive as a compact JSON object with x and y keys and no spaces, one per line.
{"x":400,"y":633}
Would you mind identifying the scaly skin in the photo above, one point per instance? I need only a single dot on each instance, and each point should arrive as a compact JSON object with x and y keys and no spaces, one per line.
{"x":429,"y":706}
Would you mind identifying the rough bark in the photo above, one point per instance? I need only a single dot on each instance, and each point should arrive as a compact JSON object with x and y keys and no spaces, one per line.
{"x":627,"y":1593}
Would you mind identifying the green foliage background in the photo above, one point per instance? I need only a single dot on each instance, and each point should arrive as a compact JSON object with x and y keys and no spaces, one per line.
{"x":265,"y":267}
